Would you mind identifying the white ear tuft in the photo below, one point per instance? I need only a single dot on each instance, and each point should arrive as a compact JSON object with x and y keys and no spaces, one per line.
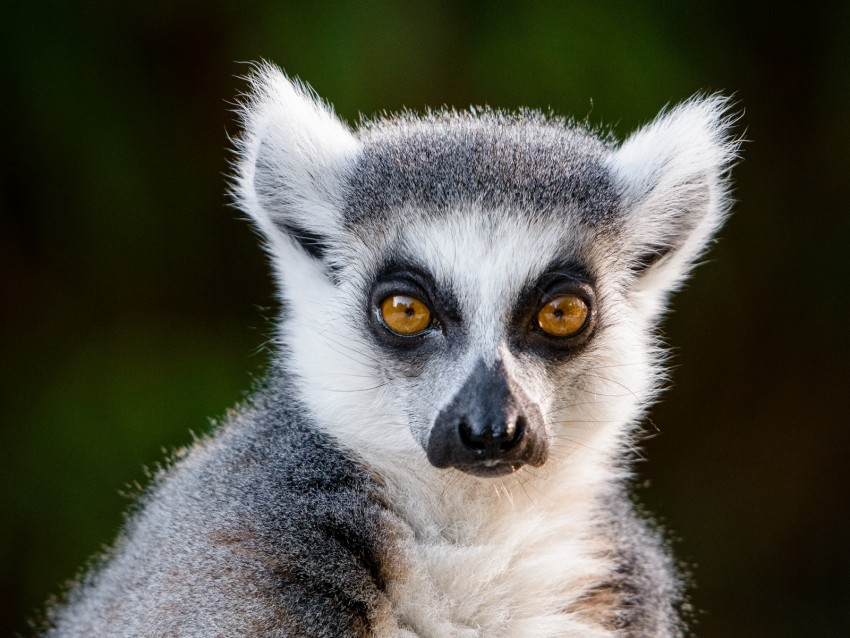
{"x":672,"y":177}
{"x":292,"y":159}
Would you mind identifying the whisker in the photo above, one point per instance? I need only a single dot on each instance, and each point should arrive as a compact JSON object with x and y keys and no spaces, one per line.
{"x":601,"y":394}
{"x":323,"y":333}
{"x":374,"y":387}
{"x":615,"y":382}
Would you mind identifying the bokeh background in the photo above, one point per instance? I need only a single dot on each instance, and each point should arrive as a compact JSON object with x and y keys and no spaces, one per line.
{"x":136,"y":303}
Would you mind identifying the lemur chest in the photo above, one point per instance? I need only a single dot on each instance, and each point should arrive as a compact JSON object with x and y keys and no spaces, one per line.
{"x":527,"y":576}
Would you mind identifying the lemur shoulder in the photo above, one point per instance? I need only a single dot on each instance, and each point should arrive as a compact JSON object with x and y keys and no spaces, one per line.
{"x":466,"y":345}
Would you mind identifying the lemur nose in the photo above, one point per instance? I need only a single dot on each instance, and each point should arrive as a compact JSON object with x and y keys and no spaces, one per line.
{"x":492,"y":439}
{"x":489,"y":428}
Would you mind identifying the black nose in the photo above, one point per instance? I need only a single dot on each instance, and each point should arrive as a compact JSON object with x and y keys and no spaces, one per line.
{"x":489,"y":428}
{"x":492,"y":439}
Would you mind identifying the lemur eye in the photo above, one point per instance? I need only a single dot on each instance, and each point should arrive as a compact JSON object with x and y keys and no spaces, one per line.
{"x":405,"y":315}
{"x":563,"y":316}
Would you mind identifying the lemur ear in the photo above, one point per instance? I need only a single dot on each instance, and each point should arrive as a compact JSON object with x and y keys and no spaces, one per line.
{"x":292,"y":159}
{"x":672,"y":178}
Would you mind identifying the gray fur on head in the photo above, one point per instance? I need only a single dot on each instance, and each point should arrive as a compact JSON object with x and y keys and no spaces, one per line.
{"x":465,"y":478}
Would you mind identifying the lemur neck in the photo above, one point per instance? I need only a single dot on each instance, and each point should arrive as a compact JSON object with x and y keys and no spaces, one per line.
{"x":463,"y":508}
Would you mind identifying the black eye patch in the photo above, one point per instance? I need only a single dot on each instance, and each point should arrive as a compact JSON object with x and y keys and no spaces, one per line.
{"x":406,"y":278}
{"x":560,"y":278}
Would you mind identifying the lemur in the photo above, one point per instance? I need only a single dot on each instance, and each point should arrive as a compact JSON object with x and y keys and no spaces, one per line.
{"x":466,"y":345}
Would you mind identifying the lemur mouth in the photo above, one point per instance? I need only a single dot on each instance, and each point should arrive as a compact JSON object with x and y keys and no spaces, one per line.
{"x":490,"y":469}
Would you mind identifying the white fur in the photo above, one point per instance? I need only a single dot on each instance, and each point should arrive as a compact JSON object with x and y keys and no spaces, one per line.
{"x":307,"y":148}
{"x":672,"y":174}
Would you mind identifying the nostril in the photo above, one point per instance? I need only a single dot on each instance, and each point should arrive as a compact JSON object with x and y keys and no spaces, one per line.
{"x":514,"y":435}
{"x":502,"y":438}
{"x":469,"y":438}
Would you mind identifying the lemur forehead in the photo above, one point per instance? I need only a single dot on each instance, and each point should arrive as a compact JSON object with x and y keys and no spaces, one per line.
{"x":525,"y":162}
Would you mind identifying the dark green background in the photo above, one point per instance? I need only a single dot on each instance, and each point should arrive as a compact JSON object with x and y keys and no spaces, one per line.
{"x":135,"y":303}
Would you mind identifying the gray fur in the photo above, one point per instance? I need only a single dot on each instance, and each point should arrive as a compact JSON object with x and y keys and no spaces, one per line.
{"x":649,"y":594}
{"x":267,"y":529}
{"x":524,"y":161}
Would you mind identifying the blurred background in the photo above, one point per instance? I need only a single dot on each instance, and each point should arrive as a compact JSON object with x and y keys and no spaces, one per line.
{"x":135,"y":304}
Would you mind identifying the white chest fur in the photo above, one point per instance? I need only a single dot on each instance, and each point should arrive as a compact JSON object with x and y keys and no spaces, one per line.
{"x":509,"y":560}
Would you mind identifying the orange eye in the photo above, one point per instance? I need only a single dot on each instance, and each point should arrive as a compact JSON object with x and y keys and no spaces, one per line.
{"x":405,"y":315}
{"x":563,"y":316}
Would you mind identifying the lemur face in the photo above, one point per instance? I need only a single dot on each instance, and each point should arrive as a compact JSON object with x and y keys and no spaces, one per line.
{"x":478,"y":289}
{"x":491,"y":339}
{"x":480,"y":319}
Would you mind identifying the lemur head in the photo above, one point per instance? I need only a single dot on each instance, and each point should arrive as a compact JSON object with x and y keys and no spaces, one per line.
{"x":478,"y":288}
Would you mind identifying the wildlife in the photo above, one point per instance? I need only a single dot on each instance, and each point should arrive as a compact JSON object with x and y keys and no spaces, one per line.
{"x":465,"y":348}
